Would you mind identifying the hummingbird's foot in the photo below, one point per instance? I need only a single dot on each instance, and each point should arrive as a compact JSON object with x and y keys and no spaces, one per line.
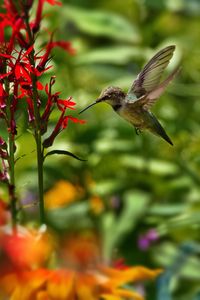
{"x":137,"y":130}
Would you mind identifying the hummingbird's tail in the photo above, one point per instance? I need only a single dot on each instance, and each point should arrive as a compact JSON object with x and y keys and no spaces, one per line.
{"x":157,"y":129}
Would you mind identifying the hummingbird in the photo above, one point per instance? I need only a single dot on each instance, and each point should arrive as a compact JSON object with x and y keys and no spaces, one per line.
{"x":145,"y":90}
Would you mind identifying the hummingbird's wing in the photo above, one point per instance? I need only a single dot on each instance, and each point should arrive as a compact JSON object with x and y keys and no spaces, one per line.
{"x":150,"y":76}
{"x":150,"y":98}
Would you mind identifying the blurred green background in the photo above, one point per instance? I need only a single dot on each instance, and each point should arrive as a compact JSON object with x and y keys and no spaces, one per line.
{"x":142,"y":181}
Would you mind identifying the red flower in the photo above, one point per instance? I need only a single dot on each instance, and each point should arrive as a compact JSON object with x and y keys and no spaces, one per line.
{"x":46,"y":57}
{"x":36,"y":24}
{"x":64,"y":45}
{"x":61,"y":124}
{"x":12,"y":18}
{"x":62,"y":104}
{"x":21,"y":70}
{"x":54,"y":2}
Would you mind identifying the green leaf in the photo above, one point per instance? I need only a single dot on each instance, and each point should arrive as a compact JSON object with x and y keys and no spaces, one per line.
{"x":63,"y":152}
{"x":104,"y":187}
{"x":118,"y":55}
{"x":154,"y":166}
{"x":115,"y":228}
{"x":187,"y":220}
{"x":167,"y":209}
{"x":63,"y":218}
{"x":103,"y":23}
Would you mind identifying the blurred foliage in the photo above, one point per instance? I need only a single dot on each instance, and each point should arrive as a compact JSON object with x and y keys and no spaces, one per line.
{"x":143,"y":182}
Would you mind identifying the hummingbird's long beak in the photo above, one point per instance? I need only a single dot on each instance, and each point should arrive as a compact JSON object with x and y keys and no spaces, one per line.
{"x":95,"y":102}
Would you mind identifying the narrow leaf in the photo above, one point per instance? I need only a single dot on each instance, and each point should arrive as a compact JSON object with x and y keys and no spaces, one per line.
{"x":63,"y":152}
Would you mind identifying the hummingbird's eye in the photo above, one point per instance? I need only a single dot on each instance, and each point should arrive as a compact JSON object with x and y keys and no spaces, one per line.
{"x":105,"y":97}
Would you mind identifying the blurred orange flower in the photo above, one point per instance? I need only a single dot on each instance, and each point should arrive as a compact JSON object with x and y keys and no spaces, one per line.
{"x":26,"y":248}
{"x":96,"y":204}
{"x":80,"y":251}
{"x":85,"y":276}
{"x":60,"y":284}
{"x":63,"y":193}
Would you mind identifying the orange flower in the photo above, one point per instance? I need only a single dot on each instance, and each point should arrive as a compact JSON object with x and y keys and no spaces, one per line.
{"x":84,"y":278}
{"x":80,"y":251}
{"x":26,"y":248}
{"x":63,"y":193}
{"x":61,"y":284}
{"x":96,"y":204}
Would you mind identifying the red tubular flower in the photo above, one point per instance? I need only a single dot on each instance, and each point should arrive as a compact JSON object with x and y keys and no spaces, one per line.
{"x":46,"y":57}
{"x":52,"y":99}
{"x":23,"y":75}
{"x":16,"y":27}
{"x":54,"y":2}
{"x":63,"y":104}
{"x":61,"y":124}
{"x":36,"y":24}
{"x":64,"y":45}
{"x":11,"y":9}
{"x":11,"y":18}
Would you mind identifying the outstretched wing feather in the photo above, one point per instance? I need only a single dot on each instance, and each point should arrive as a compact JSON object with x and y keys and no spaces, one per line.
{"x":151,"y":74}
{"x":148,"y":101}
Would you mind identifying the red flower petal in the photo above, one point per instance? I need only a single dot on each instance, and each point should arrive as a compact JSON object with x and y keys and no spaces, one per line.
{"x":66,"y":103}
{"x":40,"y":86}
{"x":65,"y":122}
{"x":67,"y":46}
{"x":75,"y":120}
{"x":54,"y":2}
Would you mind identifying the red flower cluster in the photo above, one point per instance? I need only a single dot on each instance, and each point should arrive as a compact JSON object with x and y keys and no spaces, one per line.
{"x":21,"y":69}
{"x":62,"y":105}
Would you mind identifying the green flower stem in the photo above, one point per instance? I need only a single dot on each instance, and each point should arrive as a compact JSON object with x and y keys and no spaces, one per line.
{"x":12,"y":196}
{"x":40,"y":161}
{"x":37,"y":128}
{"x":38,"y":140}
{"x":11,"y":159}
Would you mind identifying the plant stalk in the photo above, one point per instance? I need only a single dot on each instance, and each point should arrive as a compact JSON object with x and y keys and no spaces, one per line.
{"x":40,"y":162}
{"x":11,"y":160}
{"x":11,"y":187}
{"x":37,"y":128}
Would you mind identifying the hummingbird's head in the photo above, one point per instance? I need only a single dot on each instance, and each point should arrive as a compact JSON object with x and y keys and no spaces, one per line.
{"x":111,"y":95}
